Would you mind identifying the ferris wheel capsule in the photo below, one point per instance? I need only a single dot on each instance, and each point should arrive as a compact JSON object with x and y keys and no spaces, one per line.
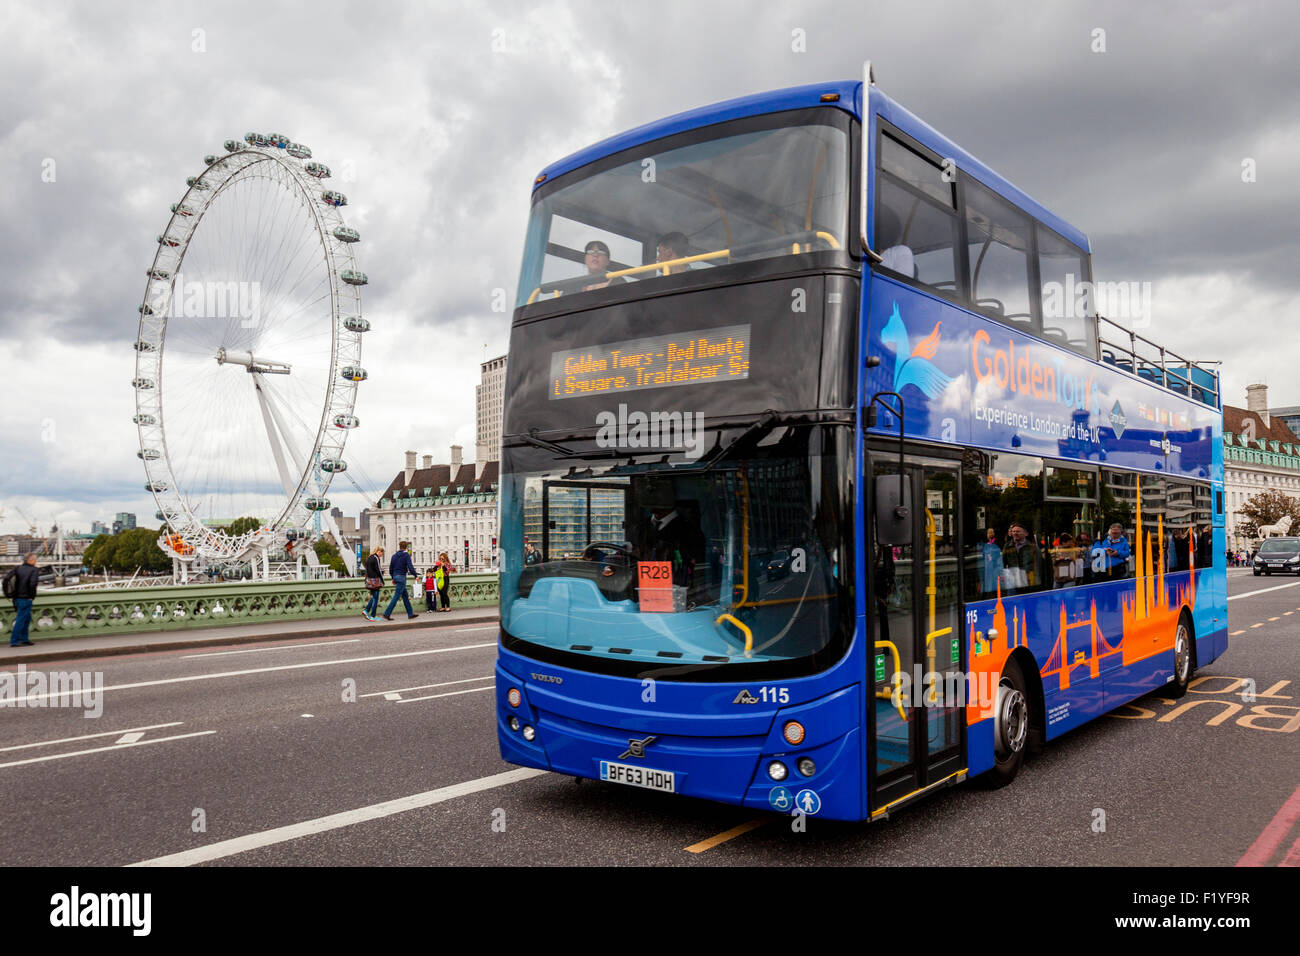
{"x":145,"y":309}
{"x":332,"y":198}
{"x":168,"y":241}
{"x":148,"y":454}
{"x":142,"y":382}
{"x":298,"y":151}
{"x":231,"y":146}
{"x":181,"y":209}
{"x":317,"y":504}
{"x":157,"y":486}
{"x":143,"y":345}
{"x":278,"y":140}
{"x":353,"y":373}
{"x":195,"y":182}
{"x":344,"y":234}
{"x":144,"y":418}
{"x":351,"y":277}
{"x":346,"y":421}
{"x":255,"y":139}
{"x":319,"y":170}
{"x":333,"y":465}
{"x":355,"y":323}
{"x":161,"y":274}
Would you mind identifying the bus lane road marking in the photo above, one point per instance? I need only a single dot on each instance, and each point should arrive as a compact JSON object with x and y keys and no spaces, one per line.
{"x":107,"y":733}
{"x":273,"y":647}
{"x":124,"y":744}
{"x":396,"y":694}
{"x":726,"y":835}
{"x":268,"y":670}
{"x":294,"y":831}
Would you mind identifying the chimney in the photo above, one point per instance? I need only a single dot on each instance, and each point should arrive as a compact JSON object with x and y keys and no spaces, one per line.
{"x":410,"y":467}
{"x":455,"y":461}
{"x":428,"y":461}
{"x":479,"y":464}
{"x":1257,"y":401}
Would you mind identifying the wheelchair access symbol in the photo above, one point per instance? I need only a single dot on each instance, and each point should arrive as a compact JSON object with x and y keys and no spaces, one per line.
{"x":808,"y":801}
{"x":780,"y":799}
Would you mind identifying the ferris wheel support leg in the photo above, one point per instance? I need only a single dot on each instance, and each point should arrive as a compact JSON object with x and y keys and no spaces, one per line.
{"x":346,"y":553}
{"x":274,"y":435}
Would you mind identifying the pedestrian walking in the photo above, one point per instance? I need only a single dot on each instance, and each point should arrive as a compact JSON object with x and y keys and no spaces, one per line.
{"x":430,"y":590}
{"x":20,"y":586}
{"x":374,"y":582}
{"x":398,"y":569}
{"x":442,"y":577}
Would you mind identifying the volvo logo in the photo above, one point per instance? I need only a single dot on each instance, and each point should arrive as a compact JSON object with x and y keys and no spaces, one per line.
{"x":636,"y":748}
{"x":548,"y":678}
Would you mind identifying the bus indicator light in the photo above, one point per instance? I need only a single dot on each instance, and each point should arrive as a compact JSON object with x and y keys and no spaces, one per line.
{"x":514,"y":697}
{"x":793,"y":733}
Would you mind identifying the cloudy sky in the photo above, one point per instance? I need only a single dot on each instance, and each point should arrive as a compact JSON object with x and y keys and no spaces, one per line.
{"x":442,"y":114}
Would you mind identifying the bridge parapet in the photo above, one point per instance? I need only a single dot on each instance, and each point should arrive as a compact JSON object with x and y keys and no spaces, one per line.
{"x":83,"y":613}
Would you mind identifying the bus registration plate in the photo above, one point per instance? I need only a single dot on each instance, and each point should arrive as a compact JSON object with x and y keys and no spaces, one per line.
{"x":633,"y":776}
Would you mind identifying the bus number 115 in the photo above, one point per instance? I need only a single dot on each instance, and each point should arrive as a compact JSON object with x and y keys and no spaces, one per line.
{"x":774,"y":695}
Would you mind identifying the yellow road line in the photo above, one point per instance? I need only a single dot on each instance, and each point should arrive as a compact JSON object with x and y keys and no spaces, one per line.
{"x":731,"y":834}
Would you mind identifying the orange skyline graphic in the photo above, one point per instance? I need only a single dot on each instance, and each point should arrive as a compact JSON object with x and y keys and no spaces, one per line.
{"x":1148,"y":616}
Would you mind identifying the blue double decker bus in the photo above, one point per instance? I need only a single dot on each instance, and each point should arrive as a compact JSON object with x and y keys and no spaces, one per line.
{"x":824,"y":484}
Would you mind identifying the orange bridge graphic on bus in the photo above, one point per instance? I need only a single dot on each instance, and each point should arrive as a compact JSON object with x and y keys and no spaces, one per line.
{"x":1149,"y":618}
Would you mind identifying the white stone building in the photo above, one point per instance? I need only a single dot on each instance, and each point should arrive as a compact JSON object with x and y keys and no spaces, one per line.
{"x":1259,"y":453}
{"x":439,"y":508}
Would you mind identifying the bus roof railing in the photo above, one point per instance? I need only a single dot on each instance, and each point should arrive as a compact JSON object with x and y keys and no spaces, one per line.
{"x":1154,"y":363}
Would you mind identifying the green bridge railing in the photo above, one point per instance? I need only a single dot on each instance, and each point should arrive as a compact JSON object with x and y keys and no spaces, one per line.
{"x":81,"y":613}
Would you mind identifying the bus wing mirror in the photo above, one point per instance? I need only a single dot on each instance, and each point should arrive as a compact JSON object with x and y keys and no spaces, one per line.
{"x":893,"y":514}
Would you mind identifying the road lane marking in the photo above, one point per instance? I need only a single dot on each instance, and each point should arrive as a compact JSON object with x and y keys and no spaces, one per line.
{"x":295,"y":831}
{"x":402,"y":690}
{"x":107,"y":733}
{"x":1235,"y":633}
{"x":275,"y":647}
{"x":731,"y":834}
{"x":1270,"y":838}
{"x":1235,"y":597}
{"x":1253,"y":626}
{"x":268,"y":670}
{"x":130,"y":738}
{"x":1287,"y":613}
{"x":96,"y":750}
{"x":1274,"y":619}
{"x":450,"y":693}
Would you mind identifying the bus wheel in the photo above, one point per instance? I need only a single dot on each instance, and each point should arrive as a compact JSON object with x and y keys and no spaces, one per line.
{"x":1011,"y":722}
{"x":1182,"y":659}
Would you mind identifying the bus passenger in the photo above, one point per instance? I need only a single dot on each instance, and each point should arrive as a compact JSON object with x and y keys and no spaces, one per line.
{"x":597,"y":260}
{"x":1067,"y":562}
{"x":1114,"y":547}
{"x":672,"y":245}
{"x":1085,"y":552}
{"x":1021,"y":559}
{"x":990,"y":564}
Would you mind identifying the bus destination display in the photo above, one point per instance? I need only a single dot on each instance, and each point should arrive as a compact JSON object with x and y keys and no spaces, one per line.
{"x":684,"y":358}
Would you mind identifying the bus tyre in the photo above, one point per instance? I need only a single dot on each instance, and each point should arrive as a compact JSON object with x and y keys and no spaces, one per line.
{"x":1012,"y":719}
{"x":1183,"y":658}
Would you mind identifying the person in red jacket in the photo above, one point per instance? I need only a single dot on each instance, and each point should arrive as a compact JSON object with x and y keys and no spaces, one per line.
{"x":430,"y":590}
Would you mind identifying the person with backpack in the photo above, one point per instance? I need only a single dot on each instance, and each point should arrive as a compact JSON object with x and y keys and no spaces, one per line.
{"x":374,"y":583}
{"x":20,"y":587}
{"x":442,"y":579}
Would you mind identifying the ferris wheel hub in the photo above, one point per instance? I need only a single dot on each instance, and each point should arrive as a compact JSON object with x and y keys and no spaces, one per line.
{"x":264,"y":365}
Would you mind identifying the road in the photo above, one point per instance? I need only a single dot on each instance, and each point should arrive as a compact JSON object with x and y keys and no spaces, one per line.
{"x":380,"y":749}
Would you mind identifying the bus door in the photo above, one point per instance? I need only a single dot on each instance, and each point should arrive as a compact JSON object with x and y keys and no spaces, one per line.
{"x":915,"y":726}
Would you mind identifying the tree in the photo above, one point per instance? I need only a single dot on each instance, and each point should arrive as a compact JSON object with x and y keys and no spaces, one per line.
{"x":328,"y":553}
{"x":242,"y":525}
{"x":1266,"y":508}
